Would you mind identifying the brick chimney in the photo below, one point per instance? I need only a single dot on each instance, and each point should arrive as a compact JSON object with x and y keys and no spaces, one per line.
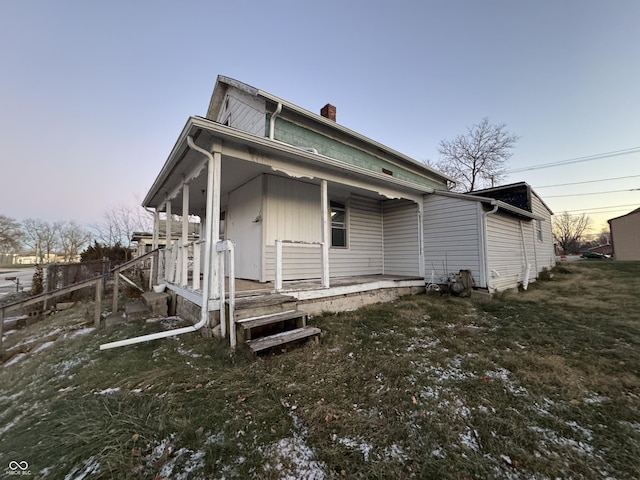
{"x":329,"y":111}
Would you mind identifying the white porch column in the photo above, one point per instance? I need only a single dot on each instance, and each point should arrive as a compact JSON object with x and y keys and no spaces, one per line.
{"x":168,"y":268}
{"x":184,"y":274}
{"x":421,"y":267}
{"x":213,"y":194}
{"x":326,"y":233}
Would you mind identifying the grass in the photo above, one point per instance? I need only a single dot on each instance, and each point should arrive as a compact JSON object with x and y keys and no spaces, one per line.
{"x":539,"y":384}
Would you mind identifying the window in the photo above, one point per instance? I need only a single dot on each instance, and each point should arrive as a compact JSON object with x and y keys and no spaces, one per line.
{"x":539,"y":229}
{"x":338,"y":225}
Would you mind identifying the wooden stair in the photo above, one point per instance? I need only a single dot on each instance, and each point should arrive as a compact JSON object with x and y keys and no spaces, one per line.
{"x":267,"y":331}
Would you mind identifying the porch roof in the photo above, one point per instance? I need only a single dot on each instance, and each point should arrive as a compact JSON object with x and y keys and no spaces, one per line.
{"x":245,"y":155}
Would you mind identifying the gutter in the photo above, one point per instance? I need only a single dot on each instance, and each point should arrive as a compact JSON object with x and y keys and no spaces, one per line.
{"x":484,"y":251}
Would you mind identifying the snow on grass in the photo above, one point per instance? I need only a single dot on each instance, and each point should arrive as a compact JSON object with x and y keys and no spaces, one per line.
{"x":293,"y":459}
{"x":43,"y":346}
{"x":505,"y":376}
{"x":15,"y":359}
{"x":357,"y":443}
{"x":79,"y":332}
{"x":551,"y":437}
{"x":107,"y":391}
{"x":90,"y":466}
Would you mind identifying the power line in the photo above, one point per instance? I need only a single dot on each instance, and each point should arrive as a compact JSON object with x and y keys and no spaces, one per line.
{"x":591,"y":193}
{"x":587,"y":181}
{"x":588,"y":158}
{"x":617,"y":208}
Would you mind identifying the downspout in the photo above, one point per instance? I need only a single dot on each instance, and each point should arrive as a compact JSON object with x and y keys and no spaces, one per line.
{"x":272,"y":120}
{"x":204,"y":313}
{"x":485,"y":251}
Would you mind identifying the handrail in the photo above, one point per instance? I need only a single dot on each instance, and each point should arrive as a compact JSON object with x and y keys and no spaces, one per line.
{"x":54,"y":293}
{"x":133,"y":261}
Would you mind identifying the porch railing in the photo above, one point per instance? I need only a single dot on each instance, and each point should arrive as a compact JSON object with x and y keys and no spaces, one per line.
{"x":181,"y":264}
{"x":279,"y":244}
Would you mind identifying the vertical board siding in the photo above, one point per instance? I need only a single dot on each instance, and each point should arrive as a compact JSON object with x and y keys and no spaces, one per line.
{"x":451,"y":237}
{"x":292,"y":212}
{"x":401,"y":237}
{"x":364,"y":255}
{"x":245,"y":112}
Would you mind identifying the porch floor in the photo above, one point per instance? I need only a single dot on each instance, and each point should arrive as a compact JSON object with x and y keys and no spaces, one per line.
{"x":251,"y":287}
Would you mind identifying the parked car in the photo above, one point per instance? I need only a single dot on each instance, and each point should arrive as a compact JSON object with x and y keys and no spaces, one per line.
{"x":591,"y":255}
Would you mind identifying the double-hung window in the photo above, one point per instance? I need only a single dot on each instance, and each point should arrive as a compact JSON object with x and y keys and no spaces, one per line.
{"x":338,"y":224}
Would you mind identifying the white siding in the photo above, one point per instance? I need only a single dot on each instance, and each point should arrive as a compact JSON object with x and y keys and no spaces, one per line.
{"x":364,"y":255}
{"x":451,"y":237}
{"x":401,"y":237}
{"x":245,"y":204}
{"x":292,"y":212}
{"x":509,"y":243}
{"x":244,"y":112}
{"x":544,"y":250}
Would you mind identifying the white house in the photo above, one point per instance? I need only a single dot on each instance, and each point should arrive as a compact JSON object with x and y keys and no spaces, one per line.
{"x":324,"y":214}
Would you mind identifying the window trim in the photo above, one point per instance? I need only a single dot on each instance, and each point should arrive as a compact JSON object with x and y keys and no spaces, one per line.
{"x":335,"y":205}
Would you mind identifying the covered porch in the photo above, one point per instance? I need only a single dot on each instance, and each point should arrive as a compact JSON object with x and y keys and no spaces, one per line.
{"x":274,"y":204}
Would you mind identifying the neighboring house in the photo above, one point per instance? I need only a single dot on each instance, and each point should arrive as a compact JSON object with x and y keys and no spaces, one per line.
{"x":603,"y":249}
{"x":304,"y":199}
{"x":625,"y":236}
{"x":144,"y":242}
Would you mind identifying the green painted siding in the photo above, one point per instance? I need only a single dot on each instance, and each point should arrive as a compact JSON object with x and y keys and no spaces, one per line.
{"x":301,"y":137}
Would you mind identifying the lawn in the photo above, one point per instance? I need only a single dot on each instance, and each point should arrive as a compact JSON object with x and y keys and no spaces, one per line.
{"x":534,"y":385}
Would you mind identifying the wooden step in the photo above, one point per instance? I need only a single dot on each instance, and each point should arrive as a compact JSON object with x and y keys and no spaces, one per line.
{"x":270,"y":324}
{"x":282,"y":338}
{"x":248,"y":323}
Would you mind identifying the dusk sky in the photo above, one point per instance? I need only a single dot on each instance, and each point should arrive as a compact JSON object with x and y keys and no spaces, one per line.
{"x":93,"y":94}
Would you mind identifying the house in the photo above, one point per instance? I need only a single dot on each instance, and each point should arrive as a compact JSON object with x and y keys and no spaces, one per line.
{"x":625,"y":236}
{"x":326,"y":215}
{"x":503,"y":235}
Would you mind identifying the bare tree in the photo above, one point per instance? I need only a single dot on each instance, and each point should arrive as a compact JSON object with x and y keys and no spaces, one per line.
{"x":477,"y":160}
{"x":568,"y":230}
{"x":72,"y":238}
{"x":10,"y":234}
{"x":42,"y":237}
{"x":120,"y":222}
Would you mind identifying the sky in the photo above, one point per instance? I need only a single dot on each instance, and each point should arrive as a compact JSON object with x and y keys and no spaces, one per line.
{"x":93,"y":94}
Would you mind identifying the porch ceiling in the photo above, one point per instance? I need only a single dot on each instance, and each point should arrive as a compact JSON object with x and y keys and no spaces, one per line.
{"x":245,"y":156}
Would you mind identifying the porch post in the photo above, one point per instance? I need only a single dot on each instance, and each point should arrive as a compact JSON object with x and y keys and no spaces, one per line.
{"x":168,"y":268}
{"x":213,"y":190}
{"x":421,"y":268}
{"x":324,"y":201}
{"x":185,"y":236}
{"x":155,"y":263}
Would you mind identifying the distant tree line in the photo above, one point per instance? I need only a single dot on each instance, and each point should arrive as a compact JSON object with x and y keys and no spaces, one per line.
{"x":68,"y":240}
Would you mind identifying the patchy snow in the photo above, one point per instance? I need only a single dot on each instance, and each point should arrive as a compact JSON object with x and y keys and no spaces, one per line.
{"x":395,"y":452}
{"x":504,"y":375}
{"x":42,"y":347}
{"x":188,"y":353}
{"x":595,"y":398}
{"x":77,"y":333}
{"x":470,"y":439}
{"x":549,"y":436}
{"x":85,"y":470}
{"x":15,"y":359}
{"x":108,"y":391}
{"x":293,"y":459}
{"x":67,"y":389}
{"x":357,"y":443}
